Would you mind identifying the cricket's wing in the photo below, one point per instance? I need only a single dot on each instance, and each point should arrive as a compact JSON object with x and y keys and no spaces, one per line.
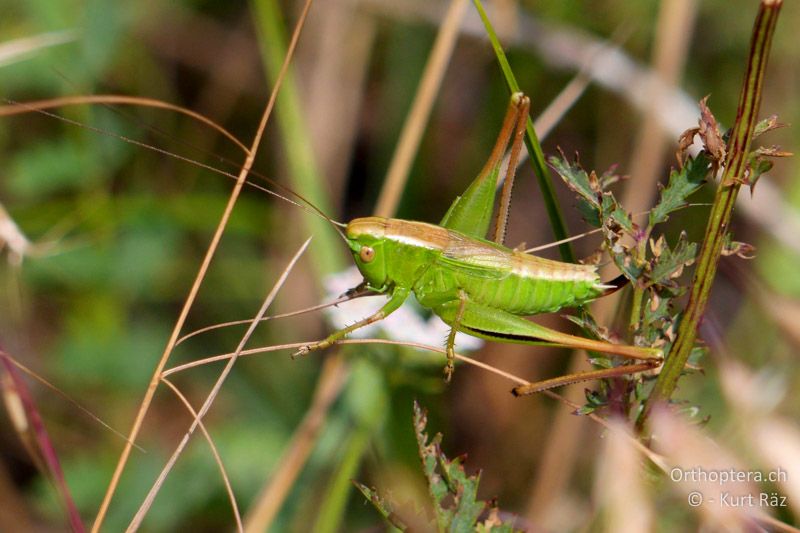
{"x":476,"y":257}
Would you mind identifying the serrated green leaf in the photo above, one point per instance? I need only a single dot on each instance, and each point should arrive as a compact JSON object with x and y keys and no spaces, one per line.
{"x":468,"y":507}
{"x":757,"y":165}
{"x":671,"y":262}
{"x":622,"y":218}
{"x":589,"y":213}
{"x":655,"y":308}
{"x":448,"y":478}
{"x":767,"y":124}
{"x":682,"y":183}
{"x":625,"y":262}
{"x":382,"y":506}
{"x":576,"y":179}
{"x":429,"y":454}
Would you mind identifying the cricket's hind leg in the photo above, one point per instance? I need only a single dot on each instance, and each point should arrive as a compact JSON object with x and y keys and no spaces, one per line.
{"x":451,"y":338}
{"x":501,"y":326}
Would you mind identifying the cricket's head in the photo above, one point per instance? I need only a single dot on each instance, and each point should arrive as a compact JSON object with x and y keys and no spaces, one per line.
{"x":366,"y":238}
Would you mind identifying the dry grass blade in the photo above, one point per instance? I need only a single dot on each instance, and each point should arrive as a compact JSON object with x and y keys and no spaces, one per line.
{"x":669,"y":58}
{"x":148,"y":501}
{"x":225,"y":478}
{"x":330,"y":382}
{"x":16,"y":108}
{"x":212,"y":248}
{"x":619,"y":489}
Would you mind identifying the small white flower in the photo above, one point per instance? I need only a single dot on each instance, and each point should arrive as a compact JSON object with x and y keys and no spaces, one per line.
{"x":405,"y":324}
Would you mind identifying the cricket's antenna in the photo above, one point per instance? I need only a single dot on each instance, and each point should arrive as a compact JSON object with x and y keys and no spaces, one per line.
{"x":40,"y":107}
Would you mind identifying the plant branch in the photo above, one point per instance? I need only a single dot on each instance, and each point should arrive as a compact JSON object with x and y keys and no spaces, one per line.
{"x":719,"y":220}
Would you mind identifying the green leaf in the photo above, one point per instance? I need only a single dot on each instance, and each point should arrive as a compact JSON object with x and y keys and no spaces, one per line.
{"x":382,"y":506}
{"x":767,"y":124}
{"x":581,"y":183}
{"x":757,"y":166}
{"x":656,"y":308}
{"x":625,"y":262}
{"x":577,"y":179}
{"x":682,"y":183}
{"x":670,"y":263}
{"x":454,"y":492}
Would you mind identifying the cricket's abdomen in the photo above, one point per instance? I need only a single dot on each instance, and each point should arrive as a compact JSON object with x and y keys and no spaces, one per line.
{"x":538,"y":285}
{"x":528,"y":290}
{"x":446,"y":261}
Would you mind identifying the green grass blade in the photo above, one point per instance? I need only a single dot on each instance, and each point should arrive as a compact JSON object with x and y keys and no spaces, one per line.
{"x":326,"y":252}
{"x":366,"y":399}
{"x":534,"y":148}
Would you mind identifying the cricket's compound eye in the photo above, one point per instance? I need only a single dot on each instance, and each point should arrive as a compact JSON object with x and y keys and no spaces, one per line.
{"x":366,"y":254}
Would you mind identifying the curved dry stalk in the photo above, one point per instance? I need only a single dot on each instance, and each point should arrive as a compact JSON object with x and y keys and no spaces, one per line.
{"x":417,"y":118}
{"x":19,"y":107}
{"x":151,"y":389}
{"x":225,"y":478}
{"x":293,"y":345}
{"x":16,"y":108}
{"x":194,"y":162}
{"x":148,"y":501}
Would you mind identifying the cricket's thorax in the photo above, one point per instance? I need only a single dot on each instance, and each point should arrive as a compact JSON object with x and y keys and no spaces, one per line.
{"x":437,"y":262}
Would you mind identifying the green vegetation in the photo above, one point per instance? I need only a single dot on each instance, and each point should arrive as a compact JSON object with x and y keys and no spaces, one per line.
{"x":102,"y":239}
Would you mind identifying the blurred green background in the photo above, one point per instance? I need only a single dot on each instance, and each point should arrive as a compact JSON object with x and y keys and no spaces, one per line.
{"x":127,"y":228}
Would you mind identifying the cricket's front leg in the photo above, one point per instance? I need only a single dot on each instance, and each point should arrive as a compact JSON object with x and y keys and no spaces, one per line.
{"x":399,"y":295}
